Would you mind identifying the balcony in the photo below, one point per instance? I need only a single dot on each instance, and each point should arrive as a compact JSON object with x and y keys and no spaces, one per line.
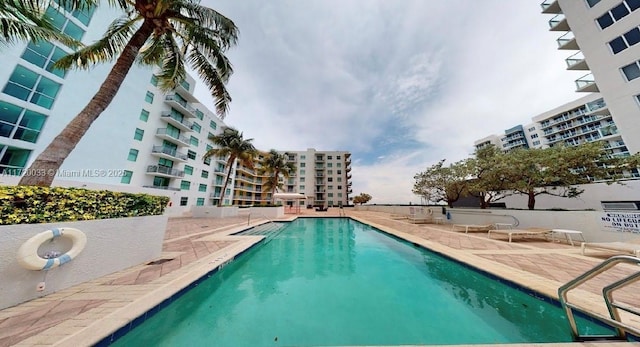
{"x":550,"y":7}
{"x":558,"y":23}
{"x":176,"y":121}
{"x":568,"y":42}
{"x":214,"y":195}
{"x":319,"y":174}
{"x":577,"y":62}
{"x":162,"y":187}
{"x":348,"y":176}
{"x":319,"y":159}
{"x":168,"y":153}
{"x":184,"y":92}
{"x":163,"y":133}
{"x":164,"y":171}
{"x":179,"y":104}
{"x":587,"y":83}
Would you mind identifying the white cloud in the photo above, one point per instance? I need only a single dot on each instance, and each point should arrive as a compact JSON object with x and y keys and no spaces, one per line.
{"x":400,"y":84}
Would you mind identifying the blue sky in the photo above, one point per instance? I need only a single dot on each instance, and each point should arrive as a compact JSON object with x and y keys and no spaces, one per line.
{"x":400,"y":84}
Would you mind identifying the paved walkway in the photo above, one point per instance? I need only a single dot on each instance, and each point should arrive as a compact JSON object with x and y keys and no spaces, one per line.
{"x":84,"y":314}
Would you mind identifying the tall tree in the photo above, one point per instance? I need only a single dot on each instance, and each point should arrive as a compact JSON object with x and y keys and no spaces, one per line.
{"x":557,"y":170}
{"x":165,"y":33}
{"x":232,"y":145}
{"x":487,"y":180}
{"x":24,"y":20}
{"x":275,"y":165}
{"x":442,"y":183}
{"x":362,"y":198}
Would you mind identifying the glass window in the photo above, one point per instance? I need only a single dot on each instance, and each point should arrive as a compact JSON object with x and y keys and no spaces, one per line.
{"x":337,"y":157}
{"x":154,"y":80}
{"x":37,"y":53}
{"x":302,"y":172}
{"x":592,"y":3}
{"x":605,"y":20}
{"x":303,"y":157}
{"x":619,"y":11}
{"x":199,"y":114}
{"x":144,"y":115}
{"x":301,"y":179}
{"x":303,"y":164}
{"x":204,"y":174}
{"x":126,"y":178}
{"x":631,"y":71}
{"x":339,"y":172}
{"x":133,"y":154}
{"x":329,"y":164}
{"x":185,"y":84}
{"x":338,"y":164}
{"x":202,"y":187}
{"x":617,"y":45}
{"x":184,"y":201}
{"x":632,"y":36}
{"x":330,"y":179}
{"x":339,"y":187}
{"x":27,"y":85}
{"x":196,"y":127}
{"x":339,"y":179}
{"x":633,"y":4}
{"x":200,"y":202}
{"x":213,"y":125}
{"x":188,"y":169}
{"x":339,"y":195}
{"x":73,"y":30}
{"x":138,"y":135}
{"x":149,"y":97}
{"x":185,"y":185}
{"x":302,"y":187}
{"x":329,"y":172}
{"x":191,"y":154}
{"x":329,"y":157}
{"x":194,"y":141}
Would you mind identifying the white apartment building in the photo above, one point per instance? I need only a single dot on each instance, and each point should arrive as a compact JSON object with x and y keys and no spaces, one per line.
{"x":603,"y":37}
{"x":323,"y":176}
{"x":144,"y":139}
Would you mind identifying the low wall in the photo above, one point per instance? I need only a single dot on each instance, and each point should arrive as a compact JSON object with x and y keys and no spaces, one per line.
{"x":112,"y":245}
{"x":596,"y":226}
{"x":268,"y":212}
{"x":213,"y":211}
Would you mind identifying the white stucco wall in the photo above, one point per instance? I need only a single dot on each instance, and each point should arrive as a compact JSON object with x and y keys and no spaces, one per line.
{"x":112,"y":245}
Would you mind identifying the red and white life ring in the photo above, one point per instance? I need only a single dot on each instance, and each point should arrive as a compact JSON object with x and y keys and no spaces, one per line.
{"x":28,"y":253}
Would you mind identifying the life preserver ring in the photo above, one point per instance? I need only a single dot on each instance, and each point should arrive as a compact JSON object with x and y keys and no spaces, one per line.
{"x":28,"y":253}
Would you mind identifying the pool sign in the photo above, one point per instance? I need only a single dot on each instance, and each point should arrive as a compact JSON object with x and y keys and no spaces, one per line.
{"x":628,"y":222}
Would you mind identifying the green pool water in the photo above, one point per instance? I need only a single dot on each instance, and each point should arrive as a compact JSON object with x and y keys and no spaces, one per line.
{"x":332,"y":281}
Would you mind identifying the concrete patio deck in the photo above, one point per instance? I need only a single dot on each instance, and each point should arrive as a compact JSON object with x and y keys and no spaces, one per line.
{"x":85,"y":314}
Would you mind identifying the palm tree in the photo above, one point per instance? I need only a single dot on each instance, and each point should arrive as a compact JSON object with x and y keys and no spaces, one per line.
{"x":274,"y":165}
{"x":164,"y":33}
{"x":232,"y":145}
{"x":22,"y":20}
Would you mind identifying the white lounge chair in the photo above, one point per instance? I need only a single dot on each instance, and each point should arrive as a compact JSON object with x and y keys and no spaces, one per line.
{"x":521,"y":232}
{"x":421,"y":216}
{"x":631,"y":246}
{"x":471,"y":227}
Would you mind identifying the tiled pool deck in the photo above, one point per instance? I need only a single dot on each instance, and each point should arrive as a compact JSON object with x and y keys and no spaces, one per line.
{"x":84,"y":314}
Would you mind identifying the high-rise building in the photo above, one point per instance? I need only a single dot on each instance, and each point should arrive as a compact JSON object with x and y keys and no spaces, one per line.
{"x":146,"y":140}
{"x":603,"y":36}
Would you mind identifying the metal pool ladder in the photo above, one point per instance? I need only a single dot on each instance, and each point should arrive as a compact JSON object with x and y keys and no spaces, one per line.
{"x":614,"y":320}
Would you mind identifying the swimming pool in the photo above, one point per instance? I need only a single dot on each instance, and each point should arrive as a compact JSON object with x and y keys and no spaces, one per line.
{"x":335,"y":281}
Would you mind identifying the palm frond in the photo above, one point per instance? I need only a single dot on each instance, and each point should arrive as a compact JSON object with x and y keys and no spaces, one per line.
{"x":212,"y":79}
{"x":24,"y":21}
{"x":226,"y":30}
{"x":172,"y":71}
{"x":203,"y":40}
{"x":106,"y":49}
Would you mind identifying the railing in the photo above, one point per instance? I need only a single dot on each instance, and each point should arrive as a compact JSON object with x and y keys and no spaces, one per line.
{"x":585,"y":81}
{"x":565,"y":39}
{"x":166,"y":132}
{"x":165,"y":170}
{"x":613,"y":306}
{"x":575,"y":59}
{"x":169,"y":151}
{"x":556,"y":20}
{"x":185,"y":123}
{"x":162,"y":187}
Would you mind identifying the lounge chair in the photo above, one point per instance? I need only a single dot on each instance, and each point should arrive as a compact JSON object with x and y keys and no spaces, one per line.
{"x":471,"y":227}
{"x":521,"y":232}
{"x":631,"y":246}
{"x":420,"y":216}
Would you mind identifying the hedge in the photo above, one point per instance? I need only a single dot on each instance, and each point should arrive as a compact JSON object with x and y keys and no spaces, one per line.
{"x":32,"y":204}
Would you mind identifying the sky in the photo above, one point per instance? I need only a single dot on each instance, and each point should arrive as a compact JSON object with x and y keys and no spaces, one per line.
{"x":400,"y":84}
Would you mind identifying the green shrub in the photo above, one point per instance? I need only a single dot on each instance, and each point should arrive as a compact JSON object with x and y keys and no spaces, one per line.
{"x":32,"y":204}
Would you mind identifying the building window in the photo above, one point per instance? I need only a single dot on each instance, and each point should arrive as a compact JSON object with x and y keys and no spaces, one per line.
{"x":631,"y":71}
{"x":60,"y":21}
{"x":200,"y":202}
{"x":199,"y":114}
{"x":536,"y":143}
{"x":184,"y":201}
{"x":133,"y":155}
{"x":138,"y":135}
{"x":337,"y":157}
{"x":302,"y":187}
{"x":44,"y":54}
{"x":617,"y":13}
{"x":188,"y":169}
{"x":144,"y":115}
{"x":27,"y":85}
{"x":126,"y":177}
{"x":592,"y":3}
{"x":339,"y":179}
{"x":329,"y":187}
{"x":625,"y":41}
{"x":329,"y":157}
{"x":194,"y":141}
{"x":303,"y":157}
{"x":534,"y":136}
{"x":202,"y":187}
{"x":329,"y":164}
{"x":302,"y":172}
{"x":204,"y":174}
{"x":329,"y":179}
{"x":339,"y":195}
{"x":303,"y":165}
{"x":149,"y":97}
{"x":330,"y":195}
{"x":329,"y":172}
{"x":20,"y":123}
{"x":154,"y":80}
{"x":338,"y":164}
{"x":191,"y":154}
{"x":301,"y":179}
{"x":185,"y":185}
{"x":196,"y":127}
{"x":339,"y":187}
{"x":213,"y":125}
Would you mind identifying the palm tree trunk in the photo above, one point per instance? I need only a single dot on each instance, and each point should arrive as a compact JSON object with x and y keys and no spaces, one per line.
{"x":226,"y":180}
{"x":49,"y":161}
